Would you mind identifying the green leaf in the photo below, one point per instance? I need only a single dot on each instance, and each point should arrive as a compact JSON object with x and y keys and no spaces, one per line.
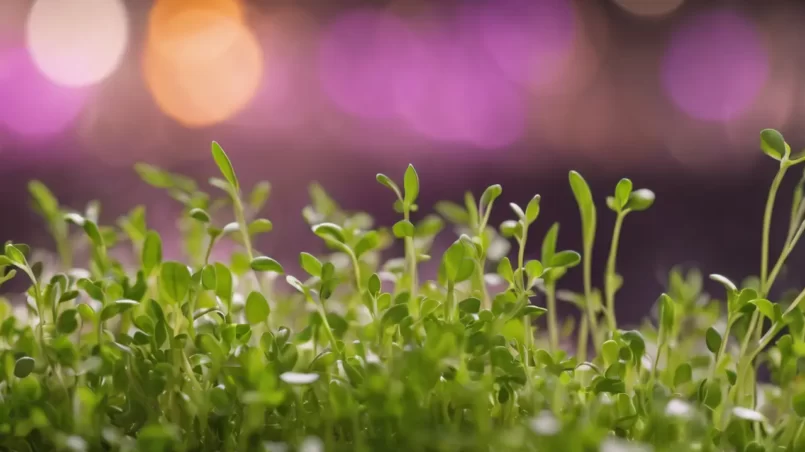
{"x":24,"y":366}
{"x":505,"y":269}
{"x":117,"y":307}
{"x":174,"y":279}
{"x":256,"y":308}
{"x":225,"y":166}
{"x":223,"y":281}
{"x":683,"y":374}
{"x":67,"y":321}
{"x":429,"y":226}
{"x":729,"y":285}
{"x":517,"y":211}
{"x":200,"y":214}
{"x":532,"y":311}
{"x":16,"y":256}
{"x":45,"y":200}
{"x":208,"y":277}
{"x":713,"y":340}
{"x":610,"y":350}
{"x":91,"y":229}
{"x":368,"y":242}
{"x":310,"y":264}
{"x":453,"y":212}
{"x":266,"y":264}
{"x":773,"y":144}
{"x":92,"y":289}
{"x":489,"y":196}
{"x":549,"y":243}
{"x":386,"y":181}
{"x":470,"y":305}
{"x":259,"y":195}
{"x":532,"y":210}
{"x":565,"y":259}
{"x":622,"y":192}
{"x":374,"y":285}
{"x":403,"y":228}
{"x":394,"y":314}
{"x":584,"y":200}
{"x":767,"y":308}
{"x":637,"y":344}
{"x":458,"y":262}
{"x":329,"y":231}
{"x":152,"y":251}
{"x":666,"y":313}
{"x":260,"y":226}
{"x":511,"y":228}
{"x":640,"y":200}
{"x":411,"y":185}
{"x":534,"y":268}
{"x":68,"y":295}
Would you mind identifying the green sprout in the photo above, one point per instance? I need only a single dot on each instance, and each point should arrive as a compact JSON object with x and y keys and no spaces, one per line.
{"x":361,"y":351}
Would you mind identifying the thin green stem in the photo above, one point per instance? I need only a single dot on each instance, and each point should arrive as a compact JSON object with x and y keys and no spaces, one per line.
{"x":722,"y":350}
{"x":797,"y":213}
{"x":764,"y":252}
{"x":356,"y":267}
{"x":583,"y":337}
{"x":449,"y":302}
{"x":240,"y":217}
{"x":609,"y":277}
{"x":521,"y":259}
{"x":553,"y":329}
{"x":410,"y":255}
{"x":747,"y":360}
{"x":789,"y":246}
{"x":588,"y":295}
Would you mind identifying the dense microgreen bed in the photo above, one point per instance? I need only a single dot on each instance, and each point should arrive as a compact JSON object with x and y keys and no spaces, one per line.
{"x":123,"y":350}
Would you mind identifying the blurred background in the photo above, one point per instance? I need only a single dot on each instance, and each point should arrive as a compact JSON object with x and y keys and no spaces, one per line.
{"x":671,"y":93}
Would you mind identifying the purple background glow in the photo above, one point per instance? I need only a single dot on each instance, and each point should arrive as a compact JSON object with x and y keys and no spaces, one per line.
{"x":715,"y":65}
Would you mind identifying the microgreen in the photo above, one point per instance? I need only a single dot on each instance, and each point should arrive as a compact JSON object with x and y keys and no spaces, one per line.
{"x":358,"y":352}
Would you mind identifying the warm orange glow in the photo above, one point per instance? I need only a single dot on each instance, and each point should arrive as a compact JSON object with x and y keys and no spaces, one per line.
{"x":201,"y":63}
{"x":165,"y":11}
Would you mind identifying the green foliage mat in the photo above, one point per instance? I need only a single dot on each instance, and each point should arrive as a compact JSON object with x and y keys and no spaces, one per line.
{"x":358,"y":353}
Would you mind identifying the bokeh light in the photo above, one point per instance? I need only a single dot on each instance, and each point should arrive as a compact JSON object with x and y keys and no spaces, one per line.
{"x":775,"y":104}
{"x":289,"y":90}
{"x":165,"y":11}
{"x":573,"y":113}
{"x":649,"y":8}
{"x":715,"y":65}
{"x":34,"y":106}
{"x":201,"y":64}
{"x":530,"y":40}
{"x":361,"y":54}
{"x":456,"y":93}
{"x":77,"y":43}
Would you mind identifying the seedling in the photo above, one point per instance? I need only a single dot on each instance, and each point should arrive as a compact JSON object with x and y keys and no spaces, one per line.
{"x":361,"y":353}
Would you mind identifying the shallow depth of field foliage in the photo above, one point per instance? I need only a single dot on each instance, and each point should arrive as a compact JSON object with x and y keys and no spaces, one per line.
{"x":114,"y":348}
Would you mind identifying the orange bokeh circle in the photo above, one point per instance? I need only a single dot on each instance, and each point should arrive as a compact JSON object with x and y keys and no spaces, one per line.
{"x":201,"y":63}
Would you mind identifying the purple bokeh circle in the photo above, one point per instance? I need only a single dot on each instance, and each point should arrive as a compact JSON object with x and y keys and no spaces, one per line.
{"x":529,"y":40}
{"x":361,"y":54}
{"x":456,"y":93}
{"x":715,"y":66}
{"x":32,"y":105}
